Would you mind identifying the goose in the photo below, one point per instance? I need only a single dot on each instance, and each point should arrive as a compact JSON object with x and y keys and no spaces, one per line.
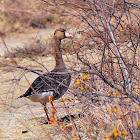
{"x":51,"y":85}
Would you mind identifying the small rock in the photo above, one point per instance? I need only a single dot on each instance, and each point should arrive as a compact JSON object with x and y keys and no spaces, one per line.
{"x":25,"y":131}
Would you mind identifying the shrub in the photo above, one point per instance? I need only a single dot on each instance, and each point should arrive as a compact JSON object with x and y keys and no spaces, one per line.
{"x":34,"y":47}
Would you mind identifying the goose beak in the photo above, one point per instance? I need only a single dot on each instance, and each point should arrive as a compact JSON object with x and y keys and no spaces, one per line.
{"x":68,"y":35}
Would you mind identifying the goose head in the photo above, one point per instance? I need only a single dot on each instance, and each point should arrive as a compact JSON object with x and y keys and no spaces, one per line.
{"x":61,"y":34}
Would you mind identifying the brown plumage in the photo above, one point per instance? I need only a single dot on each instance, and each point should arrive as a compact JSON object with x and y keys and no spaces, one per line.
{"x":53,"y":85}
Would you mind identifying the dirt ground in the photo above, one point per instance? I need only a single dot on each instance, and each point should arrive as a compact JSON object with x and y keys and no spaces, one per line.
{"x":21,"y":119}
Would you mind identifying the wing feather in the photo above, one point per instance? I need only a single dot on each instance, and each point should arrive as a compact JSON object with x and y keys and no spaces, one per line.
{"x":48,"y":82}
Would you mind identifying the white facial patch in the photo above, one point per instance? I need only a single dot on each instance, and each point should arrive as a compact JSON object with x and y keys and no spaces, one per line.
{"x":68,"y":34}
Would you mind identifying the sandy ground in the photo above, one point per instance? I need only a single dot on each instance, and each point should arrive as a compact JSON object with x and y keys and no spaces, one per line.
{"x":21,"y":119}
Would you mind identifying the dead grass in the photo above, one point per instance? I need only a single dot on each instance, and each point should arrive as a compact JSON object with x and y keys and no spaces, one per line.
{"x":97,"y":117}
{"x":20,"y":17}
{"x":100,"y":111}
{"x":34,"y":47}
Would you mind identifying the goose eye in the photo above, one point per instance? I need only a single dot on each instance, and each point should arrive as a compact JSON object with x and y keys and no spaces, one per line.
{"x":63,"y":31}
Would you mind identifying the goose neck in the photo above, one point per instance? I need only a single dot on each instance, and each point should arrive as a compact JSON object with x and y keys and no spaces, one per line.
{"x":58,"y":55}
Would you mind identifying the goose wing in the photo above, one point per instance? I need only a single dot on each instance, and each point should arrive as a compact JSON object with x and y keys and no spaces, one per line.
{"x":49,"y":82}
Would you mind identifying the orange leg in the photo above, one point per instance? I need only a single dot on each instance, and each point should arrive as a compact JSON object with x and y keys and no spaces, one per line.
{"x":54,"y":119}
{"x":45,"y":109}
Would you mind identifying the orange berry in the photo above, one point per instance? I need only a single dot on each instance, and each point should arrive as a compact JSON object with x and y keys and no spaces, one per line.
{"x":124,"y":133}
{"x":75,"y":138}
{"x":84,"y":78}
{"x":117,"y":92}
{"x":110,"y":93}
{"x":115,"y":129}
{"x":82,"y":88}
{"x":107,"y":139}
{"x":138,"y":124}
{"x":115,"y":110}
{"x":116,"y":134}
{"x":119,"y":117}
{"x":110,"y":110}
{"x":88,"y":75}
{"x":78,"y":82}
